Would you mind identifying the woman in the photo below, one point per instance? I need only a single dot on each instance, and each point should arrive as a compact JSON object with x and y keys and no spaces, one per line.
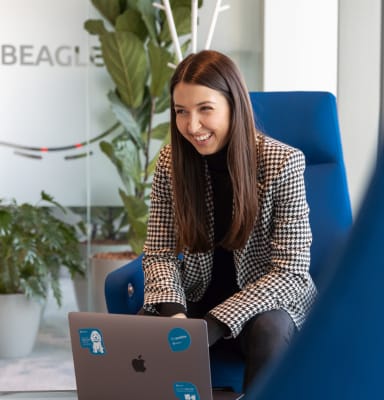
{"x":232,"y":201}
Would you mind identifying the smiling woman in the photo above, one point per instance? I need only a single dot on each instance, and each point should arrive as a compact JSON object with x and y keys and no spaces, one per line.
{"x":202,"y":117}
{"x":244,"y":236}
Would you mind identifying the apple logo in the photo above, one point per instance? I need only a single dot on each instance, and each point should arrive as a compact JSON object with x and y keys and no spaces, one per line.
{"x":138,"y":364}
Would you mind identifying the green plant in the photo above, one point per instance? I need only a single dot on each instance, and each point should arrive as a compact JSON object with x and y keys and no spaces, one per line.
{"x":105,"y":223}
{"x":137,"y":49}
{"x":34,"y":245}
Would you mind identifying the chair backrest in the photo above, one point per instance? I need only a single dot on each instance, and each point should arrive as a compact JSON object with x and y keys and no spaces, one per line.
{"x":309,"y":121}
{"x":339,"y":352}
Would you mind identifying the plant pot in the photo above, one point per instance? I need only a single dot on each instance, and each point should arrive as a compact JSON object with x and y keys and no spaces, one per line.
{"x":82,"y":285}
{"x":101,"y":265}
{"x":19,"y":324}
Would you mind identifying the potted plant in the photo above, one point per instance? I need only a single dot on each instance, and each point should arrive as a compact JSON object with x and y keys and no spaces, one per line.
{"x":34,"y":246}
{"x":137,"y":49}
{"x":105,"y":238}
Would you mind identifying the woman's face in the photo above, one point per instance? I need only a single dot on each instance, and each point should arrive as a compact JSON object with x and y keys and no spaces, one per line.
{"x":202,"y":117}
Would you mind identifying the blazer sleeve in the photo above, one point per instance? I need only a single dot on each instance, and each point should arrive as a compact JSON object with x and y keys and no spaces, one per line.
{"x":161,"y":265}
{"x":285,"y":282}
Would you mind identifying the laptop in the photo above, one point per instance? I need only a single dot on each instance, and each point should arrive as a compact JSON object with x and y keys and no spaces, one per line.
{"x":141,"y":357}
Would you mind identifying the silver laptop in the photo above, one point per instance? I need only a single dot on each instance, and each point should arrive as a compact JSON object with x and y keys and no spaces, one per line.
{"x":141,"y":358}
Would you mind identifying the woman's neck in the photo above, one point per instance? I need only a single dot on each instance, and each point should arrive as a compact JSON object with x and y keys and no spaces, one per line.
{"x":218,"y":161}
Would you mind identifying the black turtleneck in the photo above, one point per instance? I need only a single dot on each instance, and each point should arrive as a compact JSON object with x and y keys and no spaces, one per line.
{"x":222,"y":192}
{"x":223,"y":283}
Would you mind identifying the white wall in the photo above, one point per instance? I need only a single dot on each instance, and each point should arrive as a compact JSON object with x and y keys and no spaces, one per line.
{"x":300,"y":45}
{"x":359,"y":89}
{"x":334,"y":46}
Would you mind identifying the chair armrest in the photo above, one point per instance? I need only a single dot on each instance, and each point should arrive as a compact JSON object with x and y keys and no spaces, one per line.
{"x":124,"y":288}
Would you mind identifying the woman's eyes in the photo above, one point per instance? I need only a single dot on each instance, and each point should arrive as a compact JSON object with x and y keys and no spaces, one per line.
{"x":206,"y":108}
{"x":201,"y":109}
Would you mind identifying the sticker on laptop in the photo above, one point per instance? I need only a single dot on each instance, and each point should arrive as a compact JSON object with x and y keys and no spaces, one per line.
{"x":179,"y":339}
{"x":186,"y":391}
{"x":92,"y":339}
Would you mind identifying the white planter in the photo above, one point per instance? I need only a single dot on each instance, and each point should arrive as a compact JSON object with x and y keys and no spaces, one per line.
{"x":100,"y":268}
{"x":82,"y":285}
{"x":19,"y":324}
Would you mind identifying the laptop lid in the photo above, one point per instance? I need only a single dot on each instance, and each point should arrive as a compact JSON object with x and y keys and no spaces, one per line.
{"x":140,"y":357}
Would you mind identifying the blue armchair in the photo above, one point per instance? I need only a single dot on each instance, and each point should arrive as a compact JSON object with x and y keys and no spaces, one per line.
{"x":308,"y":121}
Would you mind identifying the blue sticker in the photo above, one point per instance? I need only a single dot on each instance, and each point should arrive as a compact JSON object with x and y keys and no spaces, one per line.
{"x":186,"y":391}
{"x":179,"y":339}
{"x":92,"y":339}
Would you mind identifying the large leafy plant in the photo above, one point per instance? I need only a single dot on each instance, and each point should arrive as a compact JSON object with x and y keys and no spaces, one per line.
{"x":137,"y":49}
{"x":34,"y":245}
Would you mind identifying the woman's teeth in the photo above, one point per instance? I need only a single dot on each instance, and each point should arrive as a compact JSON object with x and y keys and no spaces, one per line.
{"x":203,"y":137}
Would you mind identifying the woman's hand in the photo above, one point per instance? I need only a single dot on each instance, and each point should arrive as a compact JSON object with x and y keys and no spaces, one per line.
{"x":179,"y":315}
{"x":216,"y":329}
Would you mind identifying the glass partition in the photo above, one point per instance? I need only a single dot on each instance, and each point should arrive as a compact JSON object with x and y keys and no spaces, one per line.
{"x":54,"y":113}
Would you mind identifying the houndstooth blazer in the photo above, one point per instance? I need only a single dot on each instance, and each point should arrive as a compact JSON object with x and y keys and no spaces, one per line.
{"x":273,"y":267}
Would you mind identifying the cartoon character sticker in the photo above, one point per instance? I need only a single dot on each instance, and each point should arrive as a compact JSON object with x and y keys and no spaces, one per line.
{"x":92,"y":339}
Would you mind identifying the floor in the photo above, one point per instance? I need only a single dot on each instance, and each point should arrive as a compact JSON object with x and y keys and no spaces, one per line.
{"x":50,"y":365}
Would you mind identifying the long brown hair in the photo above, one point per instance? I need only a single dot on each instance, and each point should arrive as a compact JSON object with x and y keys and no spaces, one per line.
{"x":216,"y":71}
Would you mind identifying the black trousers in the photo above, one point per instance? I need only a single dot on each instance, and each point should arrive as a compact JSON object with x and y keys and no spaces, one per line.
{"x":263,"y":338}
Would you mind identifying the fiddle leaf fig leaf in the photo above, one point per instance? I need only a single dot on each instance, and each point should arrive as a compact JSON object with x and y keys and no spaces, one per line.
{"x":143,"y":114}
{"x":137,"y":216}
{"x":107,"y":149}
{"x":136,"y":208}
{"x":152,"y":164}
{"x":182,"y":19}
{"x":123,"y":154}
{"x":149,"y":12}
{"x":125,"y":58}
{"x":131,"y":21}
{"x":95,"y":27}
{"x":184,"y":3}
{"x":124,"y":115}
{"x":131,"y":165}
{"x":110,"y":9}
{"x":162,"y":102}
{"x":160,"y":131}
{"x":136,"y":237}
{"x":159,"y":58}
{"x":185,"y":45}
